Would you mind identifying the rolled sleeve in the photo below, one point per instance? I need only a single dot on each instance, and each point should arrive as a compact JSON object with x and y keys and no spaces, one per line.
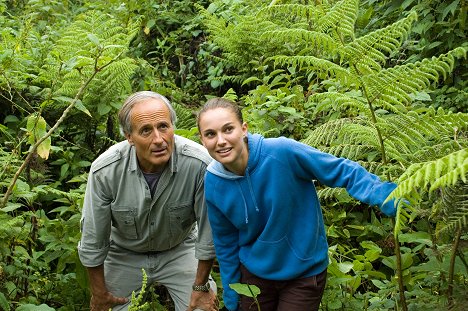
{"x":204,"y":247}
{"x":95,"y":224}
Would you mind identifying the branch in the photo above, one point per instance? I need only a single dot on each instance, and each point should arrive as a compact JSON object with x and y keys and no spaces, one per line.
{"x":33,"y":148}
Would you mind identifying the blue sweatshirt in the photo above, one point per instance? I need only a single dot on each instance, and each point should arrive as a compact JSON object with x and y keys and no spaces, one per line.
{"x":270,"y":219}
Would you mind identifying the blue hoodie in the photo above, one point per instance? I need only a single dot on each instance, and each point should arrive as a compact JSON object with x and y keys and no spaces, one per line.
{"x":270,"y":219}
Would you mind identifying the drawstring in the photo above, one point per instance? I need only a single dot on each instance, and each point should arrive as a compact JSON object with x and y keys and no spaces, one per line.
{"x":245,"y":203}
{"x":251,"y":195}
{"x":251,"y":189}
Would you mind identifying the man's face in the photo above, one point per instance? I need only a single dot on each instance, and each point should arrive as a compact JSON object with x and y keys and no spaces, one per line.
{"x":152,"y":134}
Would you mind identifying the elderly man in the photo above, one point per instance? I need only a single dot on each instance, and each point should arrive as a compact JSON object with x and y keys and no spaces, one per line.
{"x":144,"y":208}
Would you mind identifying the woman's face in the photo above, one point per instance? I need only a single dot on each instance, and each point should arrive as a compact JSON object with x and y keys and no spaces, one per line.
{"x":222,"y":134}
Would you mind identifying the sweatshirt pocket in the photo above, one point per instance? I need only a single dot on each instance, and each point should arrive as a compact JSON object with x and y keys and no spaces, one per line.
{"x":124,"y":221}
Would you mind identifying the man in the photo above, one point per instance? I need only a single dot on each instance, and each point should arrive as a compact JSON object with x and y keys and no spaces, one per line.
{"x":144,"y":208}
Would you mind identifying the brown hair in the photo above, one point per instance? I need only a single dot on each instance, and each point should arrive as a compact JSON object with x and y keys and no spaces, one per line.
{"x":220,"y":102}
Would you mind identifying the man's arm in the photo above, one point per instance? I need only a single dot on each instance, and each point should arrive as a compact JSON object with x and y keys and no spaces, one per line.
{"x":203,"y":300}
{"x":101,"y":298}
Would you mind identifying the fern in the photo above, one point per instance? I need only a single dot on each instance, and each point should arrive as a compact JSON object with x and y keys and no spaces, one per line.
{"x":370,"y":50}
{"x":90,"y":42}
{"x":443,"y":172}
{"x":453,"y":208}
{"x":341,"y":19}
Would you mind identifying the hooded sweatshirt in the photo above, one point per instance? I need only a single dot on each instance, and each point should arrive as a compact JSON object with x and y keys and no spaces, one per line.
{"x":270,"y":220}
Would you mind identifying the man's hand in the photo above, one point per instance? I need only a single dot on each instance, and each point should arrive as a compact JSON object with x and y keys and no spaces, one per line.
{"x":204,"y":301}
{"x":105,"y":301}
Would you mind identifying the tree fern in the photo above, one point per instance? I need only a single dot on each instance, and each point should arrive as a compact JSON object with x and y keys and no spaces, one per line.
{"x":340,"y":20}
{"x":443,"y":172}
{"x":371,"y":50}
{"x":452,"y":208}
{"x":92,"y":40}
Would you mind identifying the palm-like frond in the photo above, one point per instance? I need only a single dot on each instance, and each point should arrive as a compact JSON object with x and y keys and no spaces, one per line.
{"x":94,"y":41}
{"x":370,"y":51}
{"x":444,"y":172}
{"x":340,"y":19}
{"x":453,"y":207}
{"x":393,"y":86}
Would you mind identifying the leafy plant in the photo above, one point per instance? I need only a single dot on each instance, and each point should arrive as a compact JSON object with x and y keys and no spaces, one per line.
{"x":247,"y":290}
{"x":370,"y":107}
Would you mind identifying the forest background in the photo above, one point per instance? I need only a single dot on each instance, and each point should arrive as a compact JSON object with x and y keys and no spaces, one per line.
{"x":383,"y":83}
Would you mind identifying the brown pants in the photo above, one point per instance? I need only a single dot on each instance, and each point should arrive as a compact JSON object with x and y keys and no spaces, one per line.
{"x":302,"y":294}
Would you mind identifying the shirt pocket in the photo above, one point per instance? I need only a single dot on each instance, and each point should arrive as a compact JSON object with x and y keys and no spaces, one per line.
{"x":181,"y":216}
{"x":123,"y":219}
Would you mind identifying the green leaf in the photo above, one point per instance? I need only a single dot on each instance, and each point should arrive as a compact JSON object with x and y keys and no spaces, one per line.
{"x":104,"y":108}
{"x":451,"y":8}
{"x":79,"y":105}
{"x":94,"y":39}
{"x":422,"y":96}
{"x":11,"y":207}
{"x":372,"y":255}
{"x":416,"y":237}
{"x":250,"y":79}
{"x":4,"y":302}
{"x":345,"y":267}
{"x":30,"y":307}
{"x":406,"y":3}
{"x":36,"y":126}
{"x":245,"y":289}
{"x":11,"y":118}
{"x":289,"y":110}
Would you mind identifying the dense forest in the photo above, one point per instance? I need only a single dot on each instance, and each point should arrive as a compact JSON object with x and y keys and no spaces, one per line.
{"x":381,"y":82}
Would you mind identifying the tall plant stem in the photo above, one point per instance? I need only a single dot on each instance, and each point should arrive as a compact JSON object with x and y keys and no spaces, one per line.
{"x":452,"y":267}
{"x":399,"y":271}
{"x":34,"y":147}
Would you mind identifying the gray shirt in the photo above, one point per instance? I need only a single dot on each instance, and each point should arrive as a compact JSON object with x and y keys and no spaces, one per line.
{"x":119,"y":208}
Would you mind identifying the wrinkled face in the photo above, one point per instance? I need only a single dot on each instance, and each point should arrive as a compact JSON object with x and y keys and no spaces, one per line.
{"x":222,"y":134}
{"x":152,"y":134}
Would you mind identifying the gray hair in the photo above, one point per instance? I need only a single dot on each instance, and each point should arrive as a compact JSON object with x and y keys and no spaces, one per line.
{"x":125,"y":112}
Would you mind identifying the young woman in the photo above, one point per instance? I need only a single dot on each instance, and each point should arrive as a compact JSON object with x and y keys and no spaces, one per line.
{"x":264,"y":211}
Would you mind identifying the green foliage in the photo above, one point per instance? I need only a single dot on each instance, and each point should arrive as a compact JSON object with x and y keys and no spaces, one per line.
{"x":362,"y":80}
{"x":247,"y":290}
{"x":136,"y":301}
{"x":441,"y":28}
{"x":367,"y":103}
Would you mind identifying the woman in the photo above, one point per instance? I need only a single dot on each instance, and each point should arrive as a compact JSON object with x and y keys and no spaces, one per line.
{"x":264,"y":211}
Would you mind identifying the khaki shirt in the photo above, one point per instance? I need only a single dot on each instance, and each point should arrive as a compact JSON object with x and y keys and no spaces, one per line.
{"x":118,"y":207}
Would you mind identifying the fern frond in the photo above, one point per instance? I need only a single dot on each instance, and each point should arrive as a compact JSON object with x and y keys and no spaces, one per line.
{"x":443,"y":172}
{"x":341,"y":19}
{"x":351,"y":151}
{"x":326,"y":133}
{"x":339,"y":101}
{"x":453,"y":207}
{"x":324,"y":68}
{"x":312,"y":40}
{"x":185,"y":117}
{"x":367,"y":53}
{"x":312,"y":13}
{"x":365,"y":134}
{"x":109,"y":83}
{"x":332,"y":193}
{"x":399,"y":82}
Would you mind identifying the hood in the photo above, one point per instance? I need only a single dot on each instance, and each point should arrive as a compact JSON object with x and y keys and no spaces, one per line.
{"x":216,"y":168}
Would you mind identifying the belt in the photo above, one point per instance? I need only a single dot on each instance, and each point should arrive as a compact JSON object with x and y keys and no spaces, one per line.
{"x":152,"y":253}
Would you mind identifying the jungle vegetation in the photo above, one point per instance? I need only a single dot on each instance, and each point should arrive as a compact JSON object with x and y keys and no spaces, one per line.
{"x":383,"y":83}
